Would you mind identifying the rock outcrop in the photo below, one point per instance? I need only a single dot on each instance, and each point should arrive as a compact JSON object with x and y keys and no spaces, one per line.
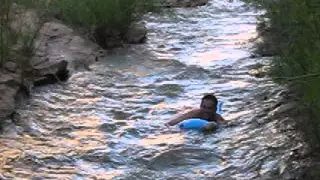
{"x":58,"y":52}
{"x":12,"y":89}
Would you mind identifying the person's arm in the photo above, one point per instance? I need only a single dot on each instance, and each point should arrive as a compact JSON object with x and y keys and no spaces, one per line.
{"x":213,"y":126}
{"x":220,"y":119}
{"x":187,"y":115}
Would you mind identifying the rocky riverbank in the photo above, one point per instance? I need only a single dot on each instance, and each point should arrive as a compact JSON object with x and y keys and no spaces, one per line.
{"x":60,"y":51}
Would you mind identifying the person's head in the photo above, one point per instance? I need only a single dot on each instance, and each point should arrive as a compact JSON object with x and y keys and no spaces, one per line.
{"x":209,"y":104}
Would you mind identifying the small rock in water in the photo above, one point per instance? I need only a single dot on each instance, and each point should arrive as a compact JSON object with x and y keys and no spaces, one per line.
{"x":258,"y":73}
{"x":175,"y":49}
{"x":283,"y":109}
{"x":106,"y":127}
{"x":161,"y":46}
{"x":184,"y":3}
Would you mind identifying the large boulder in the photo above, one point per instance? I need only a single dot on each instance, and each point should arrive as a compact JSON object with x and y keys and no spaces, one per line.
{"x":58,"y":49}
{"x":184,"y":3}
{"x":109,"y":38}
{"x":59,"y":52}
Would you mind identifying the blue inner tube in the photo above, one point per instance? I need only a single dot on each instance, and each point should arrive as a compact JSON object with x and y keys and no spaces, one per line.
{"x":196,"y":124}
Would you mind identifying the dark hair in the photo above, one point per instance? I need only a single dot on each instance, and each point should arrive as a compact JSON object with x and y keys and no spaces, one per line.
{"x":210,"y":97}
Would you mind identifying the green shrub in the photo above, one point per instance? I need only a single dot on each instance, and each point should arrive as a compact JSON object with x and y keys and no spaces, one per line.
{"x":17,"y":32}
{"x":4,"y":30}
{"x":293,"y":28}
{"x":115,"y":14}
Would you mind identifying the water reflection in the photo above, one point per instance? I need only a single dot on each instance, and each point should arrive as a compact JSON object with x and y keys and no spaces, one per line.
{"x":107,"y":175}
{"x":177,"y":138}
{"x":215,"y":55}
{"x":237,"y":114}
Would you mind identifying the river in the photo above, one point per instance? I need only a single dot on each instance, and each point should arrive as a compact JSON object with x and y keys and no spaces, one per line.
{"x":108,"y":123}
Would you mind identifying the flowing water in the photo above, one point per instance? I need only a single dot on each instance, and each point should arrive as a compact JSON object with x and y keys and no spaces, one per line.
{"x":109,"y":123}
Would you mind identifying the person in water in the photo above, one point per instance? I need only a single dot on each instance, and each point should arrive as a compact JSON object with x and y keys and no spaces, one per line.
{"x":207,"y":111}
